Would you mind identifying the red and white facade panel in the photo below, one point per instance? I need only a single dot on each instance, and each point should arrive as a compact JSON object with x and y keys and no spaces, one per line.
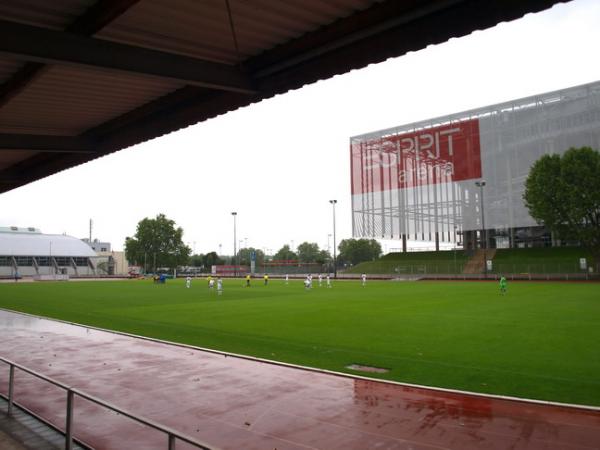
{"x":418,"y":180}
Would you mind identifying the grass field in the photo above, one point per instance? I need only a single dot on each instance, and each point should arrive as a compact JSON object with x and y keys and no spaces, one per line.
{"x":541,"y":341}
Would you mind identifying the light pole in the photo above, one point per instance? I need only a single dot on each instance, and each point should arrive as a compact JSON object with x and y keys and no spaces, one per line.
{"x":333,"y":202}
{"x":480,"y":185}
{"x":455,"y":271}
{"x":234,"y":214}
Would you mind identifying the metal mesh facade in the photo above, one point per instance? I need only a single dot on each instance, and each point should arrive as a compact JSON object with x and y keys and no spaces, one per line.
{"x":418,"y":180}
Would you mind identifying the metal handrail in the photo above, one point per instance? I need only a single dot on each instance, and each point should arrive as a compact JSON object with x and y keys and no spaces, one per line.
{"x":172,"y":435}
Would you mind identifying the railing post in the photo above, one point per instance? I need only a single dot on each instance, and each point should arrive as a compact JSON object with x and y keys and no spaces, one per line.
{"x":11,"y":384}
{"x":171,"y":442}
{"x":69,"y":423}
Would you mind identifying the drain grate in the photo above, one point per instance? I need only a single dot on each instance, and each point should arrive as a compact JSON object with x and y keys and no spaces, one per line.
{"x":370,"y":369}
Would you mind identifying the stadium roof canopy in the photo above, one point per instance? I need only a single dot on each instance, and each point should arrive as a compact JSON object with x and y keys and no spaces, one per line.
{"x":82,"y":78}
{"x":38,"y":244}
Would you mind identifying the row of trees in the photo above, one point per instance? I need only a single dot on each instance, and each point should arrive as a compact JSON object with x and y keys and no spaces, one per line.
{"x":351,"y":251}
{"x":158,"y":243}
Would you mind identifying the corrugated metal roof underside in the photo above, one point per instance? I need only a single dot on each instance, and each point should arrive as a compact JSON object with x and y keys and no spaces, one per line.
{"x":54,"y":14}
{"x":67,"y":100}
{"x":201,"y":28}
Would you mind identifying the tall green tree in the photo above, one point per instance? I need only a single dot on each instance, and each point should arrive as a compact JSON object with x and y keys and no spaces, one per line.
{"x":563,"y":193}
{"x":323,"y":257}
{"x":284,"y":254}
{"x":157,"y":243}
{"x":354,"y":251}
{"x":196,"y":260}
{"x":308,"y":252}
{"x":245,"y":255}
{"x":212,"y":259}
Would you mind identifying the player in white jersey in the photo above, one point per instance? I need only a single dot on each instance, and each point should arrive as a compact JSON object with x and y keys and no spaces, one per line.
{"x":320,"y":279}
{"x":287,"y":278}
{"x":219,"y":286}
{"x":211,"y":283}
{"x":188,"y":281}
{"x":308,"y":282}
{"x":328,"y":281}
{"x":364,"y":279}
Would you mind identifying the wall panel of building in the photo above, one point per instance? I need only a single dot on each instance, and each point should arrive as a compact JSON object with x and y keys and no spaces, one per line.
{"x":418,"y":180}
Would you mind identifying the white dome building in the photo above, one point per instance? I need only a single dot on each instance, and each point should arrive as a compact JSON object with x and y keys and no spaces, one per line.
{"x":29,"y":252}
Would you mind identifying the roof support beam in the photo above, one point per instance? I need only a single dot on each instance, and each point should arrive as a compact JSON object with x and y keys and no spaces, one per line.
{"x":97,"y":17}
{"x":54,"y":47}
{"x":15,"y":84}
{"x":397,"y":14}
{"x":9,"y":177}
{"x":39,"y":143}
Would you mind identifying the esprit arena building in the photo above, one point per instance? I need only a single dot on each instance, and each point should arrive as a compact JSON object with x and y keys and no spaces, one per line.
{"x":460,"y":179}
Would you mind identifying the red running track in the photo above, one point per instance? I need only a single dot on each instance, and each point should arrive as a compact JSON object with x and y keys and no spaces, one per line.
{"x":237,"y":403}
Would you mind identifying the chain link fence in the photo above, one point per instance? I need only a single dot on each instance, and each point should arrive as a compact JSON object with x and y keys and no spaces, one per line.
{"x":460,"y":269}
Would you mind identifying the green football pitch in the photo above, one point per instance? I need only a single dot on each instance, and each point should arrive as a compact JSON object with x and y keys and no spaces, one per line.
{"x":541,"y":340}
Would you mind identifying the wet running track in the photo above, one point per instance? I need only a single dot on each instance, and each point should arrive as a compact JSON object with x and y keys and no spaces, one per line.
{"x":236,"y":403}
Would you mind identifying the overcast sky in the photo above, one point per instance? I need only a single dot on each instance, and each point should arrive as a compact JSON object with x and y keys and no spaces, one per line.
{"x":278,"y":162}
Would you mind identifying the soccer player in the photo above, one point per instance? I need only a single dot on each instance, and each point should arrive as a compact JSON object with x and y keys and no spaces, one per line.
{"x":320,"y":279}
{"x":328,"y":281}
{"x":287,"y":278}
{"x":503,"y":285}
{"x":219,"y":286}
{"x":266,"y":277}
{"x":364,"y":279}
{"x":208,"y":280}
{"x":188,"y":281}
{"x":211,"y":283}
{"x":247,"y":280}
{"x":307,"y":283}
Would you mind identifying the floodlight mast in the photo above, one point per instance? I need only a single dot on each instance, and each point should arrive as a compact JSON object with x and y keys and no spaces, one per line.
{"x":234,"y":214}
{"x":480,"y":185}
{"x":333,"y":202}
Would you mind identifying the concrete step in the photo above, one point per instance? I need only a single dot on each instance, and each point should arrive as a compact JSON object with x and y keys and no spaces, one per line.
{"x":23,"y":431}
{"x":476,"y":264}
